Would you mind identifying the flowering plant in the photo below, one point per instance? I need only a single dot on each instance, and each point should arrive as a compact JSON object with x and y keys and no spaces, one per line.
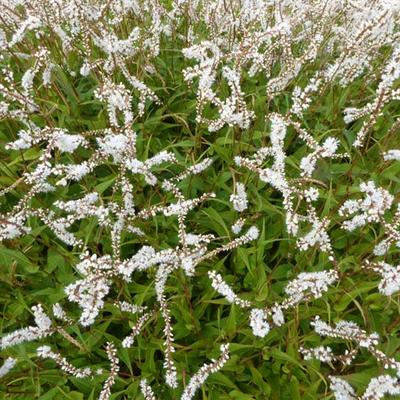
{"x":199,"y":196}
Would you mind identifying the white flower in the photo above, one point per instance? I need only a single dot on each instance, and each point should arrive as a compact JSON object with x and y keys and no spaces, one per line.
{"x":380,"y":386}
{"x":390,"y":282}
{"x":89,"y":292}
{"x":315,"y":283}
{"x":27,"y":79}
{"x":346,"y":330}
{"x":225,"y":290}
{"x":200,"y":377}
{"x":31,"y":333}
{"x":24,"y":141}
{"x":252,"y":233}
{"x":74,"y":172}
{"x":320,"y":353}
{"x":188,"y":266}
{"x":341,"y":389}
{"x":85,"y":69}
{"x":14,"y":226}
{"x":46,"y":352}
{"x":42,"y":321}
{"x":7,"y":366}
{"x":114,"y":145}
{"x":47,"y":74}
{"x":258,"y":322}
{"x":307,"y":165}
{"x":392,"y":155}
{"x":316,"y":236}
{"x":238,"y":226}
{"x":376,"y":201}
{"x":128,"y":307}
{"x":117,"y":98}
{"x":171,"y":379}
{"x":142,"y":260}
{"x":31,"y":23}
{"x":277,"y":315}
{"x":43,"y":351}
{"x":60,"y":313}
{"x":239,"y":199}
{"x":329,"y":147}
{"x":146,"y":390}
{"x":311,"y":194}
{"x":136,"y":330}
{"x":67,"y":143}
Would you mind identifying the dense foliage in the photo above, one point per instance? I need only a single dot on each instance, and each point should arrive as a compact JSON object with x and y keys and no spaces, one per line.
{"x":200,"y":199}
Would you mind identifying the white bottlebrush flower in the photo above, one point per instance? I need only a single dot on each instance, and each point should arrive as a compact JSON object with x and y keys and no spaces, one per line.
{"x":239,"y":200}
{"x":74,"y":172}
{"x":89,"y":294}
{"x":346,"y":330}
{"x":117,"y":98}
{"x":225,"y":290}
{"x":143,"y":167}
{"x":258,"y":322}
{"x":142,"y":260}
{"x":114,"y":369}
{"x":30,"y":23}
{"x":85,"y":207}
{"x":171,"y":378}
{"x":90,"y":291}
{"x":42,"y":321}
{"x":308,"y":164}
{"x":317,"y":236}
{"x":60,"y":314}
{"x":311,"y":194}
{"x":128,"y":307}
{"x":46,"y":352}
{"x":46,"y":76}
{"x":146,"y":390}
{"x":85,"y":69}
{"x":7,"y":366}
{"x":67,"y":143}
{"x":252,"y":233}
{"x":207,"y":369}
{"x":380,"y":386}
{"x":238,"y":226}
{"x":196,"y":380}
{"x":128,"y":341}
{"x":351,"y":114}
{"x":321,"y":353}
{"x":31,"y":333}
{"x":310,"y":283}
{"x":194,"y":169}
{"x":329,"y":147}
{"x":114,"y":145}
{"x":393,"y":154}
{"x":182,"y":207}
{"x":370,"y":209}
{"x":390,"y":282}
{"x":13,"y":226}
{"x":24,"y":141}
{"x":277,"y":315}
{"x":27,"y":79}
{"x":341,"y":389}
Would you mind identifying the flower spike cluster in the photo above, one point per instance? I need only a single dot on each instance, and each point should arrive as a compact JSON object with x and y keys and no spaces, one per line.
{"x":379,"y":386}
{"x":135,"y":131}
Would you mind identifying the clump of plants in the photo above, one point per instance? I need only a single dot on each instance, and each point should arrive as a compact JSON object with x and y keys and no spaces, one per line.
{"x":200,"y":199}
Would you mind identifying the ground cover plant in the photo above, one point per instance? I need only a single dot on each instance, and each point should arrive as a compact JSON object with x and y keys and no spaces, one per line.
{"x":200,"y":199}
